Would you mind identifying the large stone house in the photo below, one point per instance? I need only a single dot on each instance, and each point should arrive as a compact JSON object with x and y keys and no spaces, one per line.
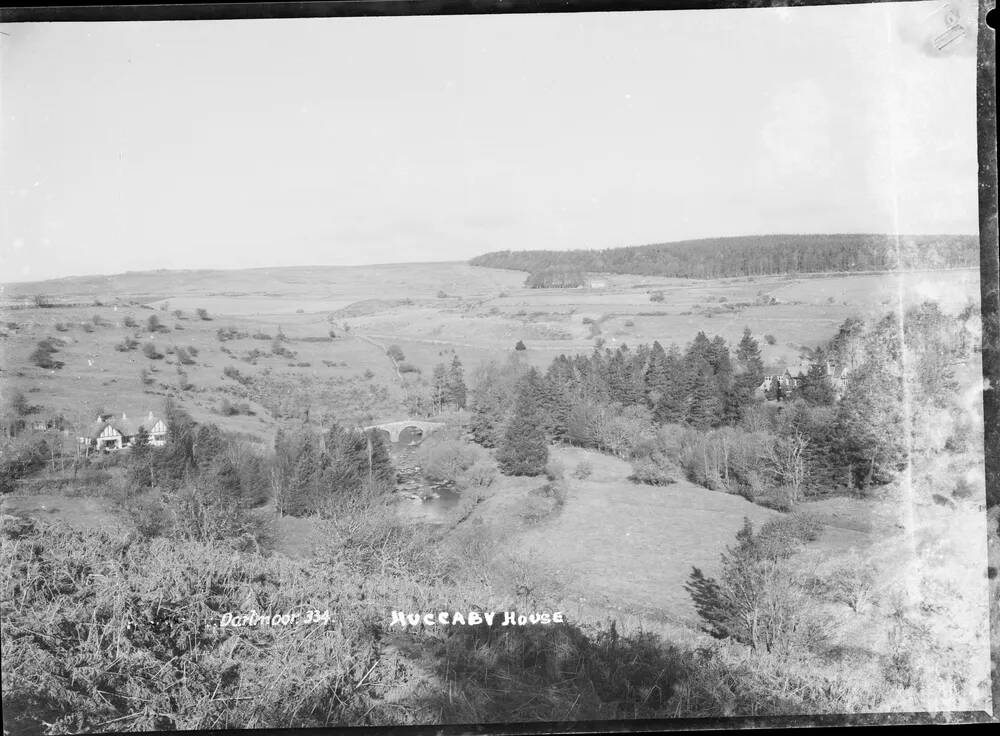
{"x":789,"y":379}
{"x":111,"y":433}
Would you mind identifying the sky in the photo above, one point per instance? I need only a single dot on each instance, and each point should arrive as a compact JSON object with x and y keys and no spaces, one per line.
{"x":251,"y":143}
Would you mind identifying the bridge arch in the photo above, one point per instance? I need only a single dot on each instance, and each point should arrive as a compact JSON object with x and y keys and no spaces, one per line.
{"x":407,"y":432}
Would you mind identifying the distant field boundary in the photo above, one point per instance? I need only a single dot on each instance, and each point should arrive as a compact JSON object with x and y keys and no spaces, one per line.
{"x":51,"y":305}
{"x":749,"y":255}
{"x":751,"y":277}
{"x":385,"y":350}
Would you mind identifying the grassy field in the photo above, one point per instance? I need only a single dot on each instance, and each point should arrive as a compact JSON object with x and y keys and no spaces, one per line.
{"x":628,"y":548}
{"x":432,"y":311}
{"x":631,"y":547}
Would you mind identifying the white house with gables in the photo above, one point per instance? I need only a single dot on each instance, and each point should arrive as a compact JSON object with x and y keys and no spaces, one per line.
{"x":108,"y":433}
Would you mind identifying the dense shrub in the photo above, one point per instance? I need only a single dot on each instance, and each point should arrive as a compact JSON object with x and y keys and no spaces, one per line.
{"x":233,"y":372}
{"x":150,"y":516}
{"x":447,"y":461}
{"x":277,"y":348}
{"x":128,"y":343}
{"x":154,"y":325}
{"x":168,"y":650}
{"x":228,"y":408}
{"x":850,"y":580}
{"x":655,"y":470}
{"x":756,"y":600}
{"x":150,"y":351}
{"x":21,"y":457}
{"x":229,"y":333}
{"x":480,"y":474}
{"x":42,"y":355}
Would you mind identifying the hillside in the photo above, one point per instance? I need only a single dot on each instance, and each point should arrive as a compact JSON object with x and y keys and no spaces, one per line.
{"x":430,"y":310}
{"x":753,"y":255}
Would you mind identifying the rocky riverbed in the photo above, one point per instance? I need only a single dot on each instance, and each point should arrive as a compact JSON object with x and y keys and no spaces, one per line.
{"x":419,"y":498}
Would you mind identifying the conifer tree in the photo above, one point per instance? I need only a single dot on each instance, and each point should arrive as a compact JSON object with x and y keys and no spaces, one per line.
{"x":489,"y":408}
{"x":556,"y":401}
{"x":456,"y":389}
{"x":625,"y":384}
{"x":304,"y":488}
{"x":748,"y":372}
{"x":706,"y":407}
{"x":524,"y":449}
{"x":657,"y":377}
{"x":815,"y":386}
{"x":672,"y":407}
{"x":178,"y":456}
{"x":439,"y":387}
{"x":355,"y":460}
{"x":208,"y":443}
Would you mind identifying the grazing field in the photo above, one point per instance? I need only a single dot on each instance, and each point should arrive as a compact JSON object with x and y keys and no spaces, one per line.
{"x":630,"y":546}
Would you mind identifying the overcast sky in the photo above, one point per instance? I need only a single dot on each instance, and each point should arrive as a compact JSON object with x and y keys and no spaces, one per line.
{"x":132,"y":146}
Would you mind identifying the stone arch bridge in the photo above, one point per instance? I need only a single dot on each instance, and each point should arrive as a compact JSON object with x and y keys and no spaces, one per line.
{"x":408,"y":431}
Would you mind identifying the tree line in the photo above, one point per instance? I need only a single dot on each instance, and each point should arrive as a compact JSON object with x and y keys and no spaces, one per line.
{"x":697,"y":411}
{"x":213,"y":479}
{"x":743,"y":256}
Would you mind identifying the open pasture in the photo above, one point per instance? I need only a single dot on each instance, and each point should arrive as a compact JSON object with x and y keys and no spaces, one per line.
{"x":632,"y":545}
{"x":432,"y":311}
{"x":97,"y":376}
